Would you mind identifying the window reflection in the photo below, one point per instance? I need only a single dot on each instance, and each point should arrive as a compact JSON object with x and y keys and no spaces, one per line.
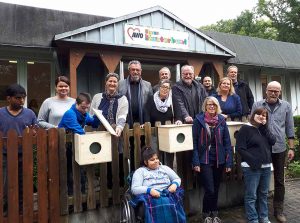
{"x":38,"y":84}
{"x":8,"y":76}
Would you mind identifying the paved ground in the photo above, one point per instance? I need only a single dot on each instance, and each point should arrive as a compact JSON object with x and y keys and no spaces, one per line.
{"x":292,"y":208}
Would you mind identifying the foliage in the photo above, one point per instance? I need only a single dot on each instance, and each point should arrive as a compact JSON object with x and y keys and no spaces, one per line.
{"x":293,"y":169}
{"x":284,"y":15}
{"x":297,"y":137}
{"x":271,"y":19}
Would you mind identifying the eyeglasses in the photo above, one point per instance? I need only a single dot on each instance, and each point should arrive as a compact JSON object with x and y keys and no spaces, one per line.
{"x":210,"y":105}
{"x":274,"y":91}
{"x":187,"y":74}
{"x":165,"y":87}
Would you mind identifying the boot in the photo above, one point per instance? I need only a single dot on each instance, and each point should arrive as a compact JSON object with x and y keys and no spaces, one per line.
{"x":278,"y":211}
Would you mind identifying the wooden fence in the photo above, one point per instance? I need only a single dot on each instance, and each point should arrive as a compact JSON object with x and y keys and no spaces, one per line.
{"x":44,"y":171}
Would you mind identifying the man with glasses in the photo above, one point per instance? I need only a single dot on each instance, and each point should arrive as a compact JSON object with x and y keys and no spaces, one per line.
{"x":281,"y":124}
{"x":163,"y":74}
{"x":137,"y":92}
{"x":77,"y":116}
{"x":188,"y":96}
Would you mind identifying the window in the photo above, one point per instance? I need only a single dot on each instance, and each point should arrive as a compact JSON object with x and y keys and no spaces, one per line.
{"x":38,"y":84}
{"x":8,"y":76}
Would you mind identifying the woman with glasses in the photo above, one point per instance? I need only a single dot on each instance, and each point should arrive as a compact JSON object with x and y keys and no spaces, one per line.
{"x":159,"y":107}
{"x":254,"y":144}
{"x":229,"y":101}
{"x":212,"y":154}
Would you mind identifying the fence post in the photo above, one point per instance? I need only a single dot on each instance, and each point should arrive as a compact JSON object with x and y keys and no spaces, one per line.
{"x":63,"y":188}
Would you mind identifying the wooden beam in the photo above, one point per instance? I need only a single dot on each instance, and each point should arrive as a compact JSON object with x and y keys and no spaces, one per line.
{"x":110,"y":60}
{"x":197,"y":65}
{"x":76,"y":56}
{"x":219,"y":69}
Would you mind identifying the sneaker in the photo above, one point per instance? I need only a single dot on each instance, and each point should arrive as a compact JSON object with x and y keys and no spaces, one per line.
{"x":217,"y":220}
{"x":280,"y":217}
{"x":208,"y":220}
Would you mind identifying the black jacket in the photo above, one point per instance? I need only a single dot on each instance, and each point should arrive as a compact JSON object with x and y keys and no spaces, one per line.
{"x":255,"y":145}
{"x":183,"y":106}
{"x":243,"y":90}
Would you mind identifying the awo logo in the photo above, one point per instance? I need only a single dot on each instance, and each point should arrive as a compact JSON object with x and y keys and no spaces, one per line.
{"x":134,"y":33}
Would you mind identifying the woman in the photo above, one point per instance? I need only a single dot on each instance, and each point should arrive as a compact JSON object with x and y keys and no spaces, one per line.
{"x":211,"y":154}
{"x":114,"y":106}
{"x":54,"y":108}
{"x":229,"y":101}
{"x":157,"y":187}
{"x":159,"y":107}
{"x":254,"y":144}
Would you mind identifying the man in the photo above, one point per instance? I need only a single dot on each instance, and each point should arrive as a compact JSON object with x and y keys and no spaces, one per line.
{"x":77,"y":116}
{"x":137,"y":92}
{"x":242,"y":89}
{"x":281,"y":125}
{"x":188,"y":96}
{"x":74,"y":121}
{"x":163,"y":74}
{"x":207,"y":83}
{"x":16,"y":117}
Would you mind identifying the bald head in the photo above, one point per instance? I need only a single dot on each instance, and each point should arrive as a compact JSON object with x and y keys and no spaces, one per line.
{"x":274,"y":84}
{"x":273,"y":92}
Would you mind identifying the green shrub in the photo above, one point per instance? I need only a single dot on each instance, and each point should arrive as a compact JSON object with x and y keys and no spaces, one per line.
{"x":293,"y":169}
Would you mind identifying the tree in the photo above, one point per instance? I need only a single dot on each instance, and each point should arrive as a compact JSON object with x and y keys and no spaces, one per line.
{"x":246,"y":24}
{"x":284,"y":16}
{"x":271,"y":19}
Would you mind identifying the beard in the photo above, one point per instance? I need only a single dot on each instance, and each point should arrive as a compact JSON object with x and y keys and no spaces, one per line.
{"x":135,"y":78}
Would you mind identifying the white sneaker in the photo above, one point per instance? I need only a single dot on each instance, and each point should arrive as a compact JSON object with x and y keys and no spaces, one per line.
{"x":208,"y":220}
{"x":217,"y":220}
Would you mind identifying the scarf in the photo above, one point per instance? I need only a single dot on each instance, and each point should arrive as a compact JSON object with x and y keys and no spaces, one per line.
{"x":109,"y":105}
{"x":211,"y":121}
{"x":162,"y":106}
{"x":140,"y":100}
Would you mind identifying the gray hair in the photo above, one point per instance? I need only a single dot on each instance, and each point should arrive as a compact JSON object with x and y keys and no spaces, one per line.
{"x":164,"y":68}
{"x":164,"y":81}
{"x":112,"y":75}
{"x":134,"y":62}
{"x":187,"y":66}
{"x":232,"y":66}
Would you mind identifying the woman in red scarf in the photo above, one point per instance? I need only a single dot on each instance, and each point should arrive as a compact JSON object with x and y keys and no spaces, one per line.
{"x":212,"y":154}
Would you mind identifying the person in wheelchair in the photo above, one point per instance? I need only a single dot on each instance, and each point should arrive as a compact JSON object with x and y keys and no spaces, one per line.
{"x":155,"y":187}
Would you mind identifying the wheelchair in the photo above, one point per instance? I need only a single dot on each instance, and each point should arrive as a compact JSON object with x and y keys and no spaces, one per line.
{"x":128,"y":214}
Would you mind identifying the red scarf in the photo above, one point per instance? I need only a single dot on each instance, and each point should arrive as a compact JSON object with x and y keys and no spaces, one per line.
{"x":211,"y":120}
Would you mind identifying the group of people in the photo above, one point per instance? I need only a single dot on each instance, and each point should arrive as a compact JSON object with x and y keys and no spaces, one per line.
{"x":187,"y":101}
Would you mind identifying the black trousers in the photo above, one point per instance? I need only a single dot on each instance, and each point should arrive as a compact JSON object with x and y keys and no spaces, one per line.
{"x":210,"y":178}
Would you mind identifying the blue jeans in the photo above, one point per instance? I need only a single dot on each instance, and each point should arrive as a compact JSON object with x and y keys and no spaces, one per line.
{"x":256,"y":192}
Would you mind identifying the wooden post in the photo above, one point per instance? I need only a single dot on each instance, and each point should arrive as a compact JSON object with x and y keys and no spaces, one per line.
{"x":196,"y":64}
{"x":76,"y":56}
{"x":111,"y":60}
{"x":137,"y":145}
{"x":219,"y":69}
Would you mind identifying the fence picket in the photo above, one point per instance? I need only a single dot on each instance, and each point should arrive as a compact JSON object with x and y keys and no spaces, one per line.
{"x":12,"y":176}
{"x":77,"y":200}
{"x":91,"y":196}
{"x":137,"y":145}
{"x":1,"y":177}
{"x":27,"y":152}
{"x":53,"y":182}
{"x":115,"y":171}
{"x":42,"y":176}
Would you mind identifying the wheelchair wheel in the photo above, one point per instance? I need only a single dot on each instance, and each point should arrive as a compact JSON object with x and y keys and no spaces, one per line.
{"x":127,"y":214}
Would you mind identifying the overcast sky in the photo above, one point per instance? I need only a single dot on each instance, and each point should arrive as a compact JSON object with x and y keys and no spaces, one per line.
{"x":195,"y":12}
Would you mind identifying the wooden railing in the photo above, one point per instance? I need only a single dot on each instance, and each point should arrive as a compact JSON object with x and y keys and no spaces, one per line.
{"x":44,"y":167}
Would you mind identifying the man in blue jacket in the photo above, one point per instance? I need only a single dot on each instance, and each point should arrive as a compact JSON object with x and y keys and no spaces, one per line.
{"x":77,"y":116}
{"x":74,"y":121}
